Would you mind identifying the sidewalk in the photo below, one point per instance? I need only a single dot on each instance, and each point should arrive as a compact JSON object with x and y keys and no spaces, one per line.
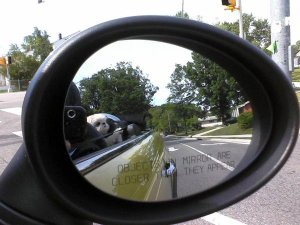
{"x":204,"y":135}
{"x":242,"y":136}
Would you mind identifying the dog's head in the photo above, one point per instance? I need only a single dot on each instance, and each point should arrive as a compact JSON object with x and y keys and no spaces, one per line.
{"x":99,"y":121}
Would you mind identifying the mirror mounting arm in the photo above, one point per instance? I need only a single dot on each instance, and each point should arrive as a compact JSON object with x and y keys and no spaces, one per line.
{"x":20,"y":184}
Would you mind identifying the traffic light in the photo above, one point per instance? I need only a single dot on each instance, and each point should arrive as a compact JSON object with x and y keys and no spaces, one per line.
{"x":225,"y":2}
{"x":2,"y":61}
{"x":231,"y":4}
{"x":8,"y":60}
{"x":5,"y":60}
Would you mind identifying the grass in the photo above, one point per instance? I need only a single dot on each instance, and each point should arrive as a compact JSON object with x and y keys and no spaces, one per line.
{"x":231,"y":130}
{"x":296,"y":75}
{"x":193,"y":132}
{"x":298,"y":96}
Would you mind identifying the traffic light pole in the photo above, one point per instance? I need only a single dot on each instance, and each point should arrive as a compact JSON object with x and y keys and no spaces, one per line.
{"x":280,"y":33}
{"x":182,"y":9}
{"x":8,"y":78}
{"x":231,"y":5}
{"x":241,"y":28}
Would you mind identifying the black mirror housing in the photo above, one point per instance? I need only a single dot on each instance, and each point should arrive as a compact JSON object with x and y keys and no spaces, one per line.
{"x":272,"y":97}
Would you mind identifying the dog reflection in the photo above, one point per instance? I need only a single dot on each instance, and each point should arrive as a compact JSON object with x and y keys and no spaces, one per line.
{"x":100,"y":122}
{"x":107,"y":127}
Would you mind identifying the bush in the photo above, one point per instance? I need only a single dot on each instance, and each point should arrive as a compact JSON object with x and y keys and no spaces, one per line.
{"x":245,"y":120}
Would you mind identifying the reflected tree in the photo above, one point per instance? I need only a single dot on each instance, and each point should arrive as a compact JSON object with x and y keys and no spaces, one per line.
{"x":174,"y":117}
{"x":218,"y":91}
{"x":205,"y":84}
{"x":119,"y":90}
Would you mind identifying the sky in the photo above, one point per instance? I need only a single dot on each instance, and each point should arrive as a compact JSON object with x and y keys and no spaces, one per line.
{"x":19,"y":17}
{"x":69,"y":16}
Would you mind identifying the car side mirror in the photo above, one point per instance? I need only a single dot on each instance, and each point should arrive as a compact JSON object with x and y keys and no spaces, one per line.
{"x":65,"y":182}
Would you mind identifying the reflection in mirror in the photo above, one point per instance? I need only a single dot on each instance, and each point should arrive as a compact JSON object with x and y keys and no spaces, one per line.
{"x":149,"y":121}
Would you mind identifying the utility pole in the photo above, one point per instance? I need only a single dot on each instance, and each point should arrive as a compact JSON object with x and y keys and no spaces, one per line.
{"x":241,"y":28}
{"x":281,"y":34}
{"x":8,"y":78}
{"x":231,"y":5}
{"x":182,"y":9}
{"x":6,"y":61}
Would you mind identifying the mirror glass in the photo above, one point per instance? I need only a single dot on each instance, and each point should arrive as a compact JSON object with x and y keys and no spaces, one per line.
{"x":150,"y":121}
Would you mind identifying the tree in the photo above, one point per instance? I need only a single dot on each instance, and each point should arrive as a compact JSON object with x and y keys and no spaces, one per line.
{"x":27,"y":58}
{"x":174,"y":117}
{"x":163,"y":118}
{"x":296,"y":48}
{"x":182,"y":89}
{"x":207,"y":85}
{"x":218,"y":90}
{"x":186,"y":114}
{"x":257,"y":31}
{"x":121,"y":90}
{"x":184,"y":93}
{"x":23,"y":66}
{"x":184,"y":15}
{"x":38,"y":44}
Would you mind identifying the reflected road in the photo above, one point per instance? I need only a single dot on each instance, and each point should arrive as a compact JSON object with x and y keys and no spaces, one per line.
{"x":202,"y":164}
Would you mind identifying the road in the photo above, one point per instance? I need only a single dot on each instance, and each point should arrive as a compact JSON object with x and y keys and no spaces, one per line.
{"x":202,"y":164}
{"x":277,"y":203}
{"x":10,"y":123}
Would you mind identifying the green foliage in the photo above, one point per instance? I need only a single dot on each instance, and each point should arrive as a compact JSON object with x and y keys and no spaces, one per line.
{"x":232,"y":129}
{"x":296,"y":48}
{"x":182,"y":89}
{"x":182,"y":15}
{"x":204,"y":83}
{"x":298,"y":96}
{"x":27,"y":59}
{"x":257,"y":31}
{"x":245,"y":120}
{"x":173,"y":118}
{"x":296,"y":75}
{"x":37,"y":44}
{"x":23,"y":66}
{"x":119,"y":90}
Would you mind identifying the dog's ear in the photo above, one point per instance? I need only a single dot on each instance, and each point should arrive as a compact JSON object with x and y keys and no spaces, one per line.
{"x":89,"y":119}
{"x":112,"y":125}
{"x":109,"y":121}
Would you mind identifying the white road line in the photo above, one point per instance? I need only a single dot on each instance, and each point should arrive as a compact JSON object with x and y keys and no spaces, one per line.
{"x":212,"y":158}
{"x":207,"y":132}
{"x":18,"y":133}
{"x":156,"y":197}
{"x":182,"y":139}
{"x":16,"y":110}
{"x":234,"y":141}
{"x":219,"y":219}
{"x":212,"y":144}
{"x":172,"y":149}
